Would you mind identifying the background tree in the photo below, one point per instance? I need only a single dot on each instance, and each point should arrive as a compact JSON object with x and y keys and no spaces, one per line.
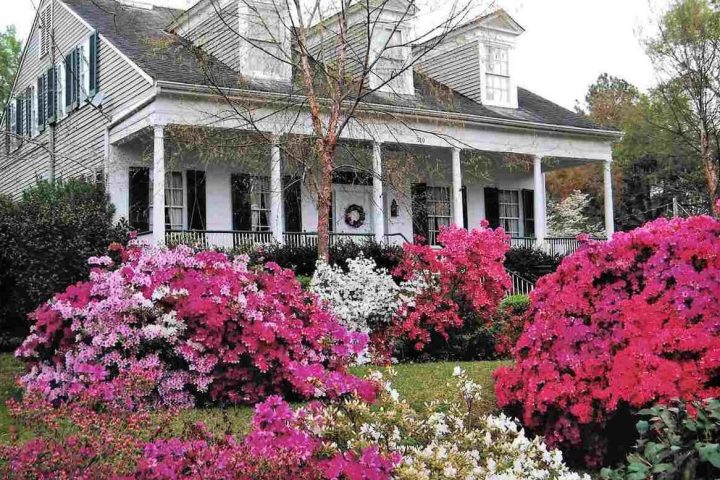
{"x":686,"y":54}
{"x":10,"y":48}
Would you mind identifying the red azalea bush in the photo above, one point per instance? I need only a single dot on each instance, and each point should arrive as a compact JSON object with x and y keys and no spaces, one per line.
{"x":197,"y":326}
{"x":464,"y":276}
{"x":621,"y":325}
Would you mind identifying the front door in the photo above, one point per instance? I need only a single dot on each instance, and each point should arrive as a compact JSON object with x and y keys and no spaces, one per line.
{"x":352,"y":209}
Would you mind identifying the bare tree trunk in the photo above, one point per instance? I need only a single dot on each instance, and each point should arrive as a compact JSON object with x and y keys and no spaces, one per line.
{"x":712,"y":168}
{"x":324,"y":197}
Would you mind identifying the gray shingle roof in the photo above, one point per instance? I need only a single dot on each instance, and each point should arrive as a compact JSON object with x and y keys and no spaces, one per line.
{"x":140,"y":34}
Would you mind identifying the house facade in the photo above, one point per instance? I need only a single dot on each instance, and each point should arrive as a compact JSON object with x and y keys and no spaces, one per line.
{"x":132,"y":94}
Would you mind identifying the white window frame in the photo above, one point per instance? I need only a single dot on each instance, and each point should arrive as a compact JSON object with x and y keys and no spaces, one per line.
{"x":506,"y":219}
{"x":433,"y":227}
{"x":169,"y":206}
{"x":84,"y":73}
{"x":497,"y":75}
{"x":60,"y":83}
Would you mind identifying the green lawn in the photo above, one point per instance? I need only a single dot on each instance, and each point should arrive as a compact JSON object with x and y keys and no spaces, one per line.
{"x":418,"y":383}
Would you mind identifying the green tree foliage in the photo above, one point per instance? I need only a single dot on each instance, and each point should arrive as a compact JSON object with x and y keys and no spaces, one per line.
{"x":47,"y":237}
{"x":685,"y":51}
{"x":10,"y":48}
{"x":651,"y":164}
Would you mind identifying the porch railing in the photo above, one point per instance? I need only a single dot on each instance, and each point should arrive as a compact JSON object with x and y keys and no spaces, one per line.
{"x":519,"y":285}
{"x":310,"y":239}
{"x":218,"y":238}
{"x":552,"y":245}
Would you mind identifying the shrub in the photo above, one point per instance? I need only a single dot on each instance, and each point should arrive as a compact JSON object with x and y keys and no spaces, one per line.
{"x":364,"y":298}
{"x":303,"y":259}
{"x":464,"y":278}
{"x":676,"y":441}
{"x":46,"y":238}
{"x":196,"y":326}
{"x":620,"y":326}
{"x":531,"y":263}
{"x":509,"y":323}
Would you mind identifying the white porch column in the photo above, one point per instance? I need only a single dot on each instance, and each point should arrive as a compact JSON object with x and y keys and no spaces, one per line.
{"x":378,"y":214}
{"x":539,"y":200}
{"x":609,"y":213}
{"x":457,"y":189}
{"x":158,"y":200}
{"x":276,"y":198}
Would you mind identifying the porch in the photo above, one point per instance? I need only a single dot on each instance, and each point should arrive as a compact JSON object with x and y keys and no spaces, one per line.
{"x":462,"y":176}
{"x":237,"y":203}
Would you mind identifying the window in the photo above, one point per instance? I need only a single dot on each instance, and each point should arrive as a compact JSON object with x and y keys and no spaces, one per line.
{"x":45,"y":30}
{"x":251,"y":203}
{"x":497,"y":77}
{"x":173,"y":200}
{"x":392,"y":54}
{"x":60,"y":90}
{"x":438,"y":211}
{"x":509,"y":203}
{"x":264,"y":34}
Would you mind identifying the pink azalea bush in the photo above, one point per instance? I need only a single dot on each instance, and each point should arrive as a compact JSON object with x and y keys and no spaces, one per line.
{"x":465,"y":275}
{"x":198,"y":326}
{"x":621,"y":325}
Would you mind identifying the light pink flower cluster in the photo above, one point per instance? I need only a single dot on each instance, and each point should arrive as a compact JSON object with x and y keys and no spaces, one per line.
{"x":197,"y":326}
{"x":620,"y":326}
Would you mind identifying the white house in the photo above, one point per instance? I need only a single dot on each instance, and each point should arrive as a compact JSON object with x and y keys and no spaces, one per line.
{"x":102,"y":82}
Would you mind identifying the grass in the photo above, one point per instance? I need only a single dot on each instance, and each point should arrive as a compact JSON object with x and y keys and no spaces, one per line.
{"x":418,"y":383}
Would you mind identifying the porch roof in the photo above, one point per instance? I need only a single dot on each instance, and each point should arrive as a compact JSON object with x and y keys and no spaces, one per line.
{"x":141,"y":35}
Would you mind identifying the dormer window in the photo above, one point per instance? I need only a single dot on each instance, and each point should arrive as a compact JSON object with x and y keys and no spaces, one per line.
{"x":497,"y":76}
{"x":264,"y":43}
{"x":393,"y":54}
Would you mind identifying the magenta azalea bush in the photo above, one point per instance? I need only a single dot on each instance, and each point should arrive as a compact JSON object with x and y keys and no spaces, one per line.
{"x":620,"y":326}
{"x":197,"y":326}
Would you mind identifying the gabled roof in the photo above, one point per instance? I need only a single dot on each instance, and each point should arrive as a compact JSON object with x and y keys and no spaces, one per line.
{"x":141,"y":35}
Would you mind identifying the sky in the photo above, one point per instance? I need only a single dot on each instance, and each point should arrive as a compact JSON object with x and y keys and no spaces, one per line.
{"x":566,"y":44}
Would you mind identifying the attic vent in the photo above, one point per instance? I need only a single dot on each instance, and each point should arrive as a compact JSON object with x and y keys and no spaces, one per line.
{"x":45,"y":29}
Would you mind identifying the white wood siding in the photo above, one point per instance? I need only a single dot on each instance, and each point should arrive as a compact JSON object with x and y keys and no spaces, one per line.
{"x":79,"y":137}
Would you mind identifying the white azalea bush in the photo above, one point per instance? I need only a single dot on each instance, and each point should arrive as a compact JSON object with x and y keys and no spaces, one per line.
{"x":444,"y":441}
{"x":363,"y":299}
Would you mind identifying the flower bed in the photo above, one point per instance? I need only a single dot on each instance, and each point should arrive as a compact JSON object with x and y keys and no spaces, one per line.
{"x":196,"y":326}
{"x":347,"y":438}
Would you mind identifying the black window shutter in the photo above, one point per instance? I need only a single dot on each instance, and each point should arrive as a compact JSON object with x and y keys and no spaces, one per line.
{"x":418,"y":193}
{"x":68,"y":80}
{"x":463,"y":190}
{"x":292,"y":204}
{"x":240,"y":202}
{"x":76,"y":78}
{"x":19,"y":116}
{"x":492,"y":206}
{"x":196,"y":199}
{"x":51,"y":89}
{"x":139,"y":198}
{"x":94,"y":56}
{"x":28,"y":112}
{"x":40,"y":100}
{"x":528,"y":202}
